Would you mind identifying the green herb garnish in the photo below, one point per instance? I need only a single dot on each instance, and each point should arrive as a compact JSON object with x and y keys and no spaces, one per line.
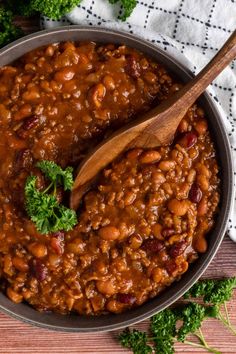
{"x":217,"y":293}
{"x":128,"y":7}
{"x":8,"y":31}
{"x":135,"y":340}
{"x":56,"y":174}
{"x":42,"y":206}
{"x":163,"y":327}
{"x":54,"y":9}
{"x":176,"y":324}
{"x":20,"y":7}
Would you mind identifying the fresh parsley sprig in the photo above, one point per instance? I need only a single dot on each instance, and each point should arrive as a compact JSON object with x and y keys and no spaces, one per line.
{"x":217,"y":293}
{"x":42,"y":206}
{"x":135,"y":340}
{"x":176,"y":324}
{"x":53,"y":9}
{"x":56,"y":174}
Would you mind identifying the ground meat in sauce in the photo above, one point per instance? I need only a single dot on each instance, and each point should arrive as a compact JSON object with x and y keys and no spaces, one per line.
{"x":148,"y":216}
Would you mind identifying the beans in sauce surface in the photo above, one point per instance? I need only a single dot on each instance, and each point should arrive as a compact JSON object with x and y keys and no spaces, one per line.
{"x":148,"y":216}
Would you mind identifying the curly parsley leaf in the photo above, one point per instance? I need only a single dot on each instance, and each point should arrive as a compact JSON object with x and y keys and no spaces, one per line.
{"x":56,"y":174}
{"x":135,"y":340}
{"x":44,"y":209}
{"x":213,"y":291}
{"x":176,"y":324}
{"x":163,"y":327}
{"x":128,"y":7}
{"x":20,"y":7}
{"x":8,"y":31}
{"x":54,"y":9}
{"x":192,"y":316}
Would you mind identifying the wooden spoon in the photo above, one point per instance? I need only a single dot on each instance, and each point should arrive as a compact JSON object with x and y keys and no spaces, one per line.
{"x":155,"y":127}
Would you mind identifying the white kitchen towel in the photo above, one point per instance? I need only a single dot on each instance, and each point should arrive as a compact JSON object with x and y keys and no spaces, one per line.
{"x":192,"y":29}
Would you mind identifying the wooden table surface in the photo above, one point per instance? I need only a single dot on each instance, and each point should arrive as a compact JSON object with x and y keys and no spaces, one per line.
{"x":17,"y":337}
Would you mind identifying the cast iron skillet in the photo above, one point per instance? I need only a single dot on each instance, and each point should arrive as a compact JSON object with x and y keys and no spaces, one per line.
{"x":77,"y":323}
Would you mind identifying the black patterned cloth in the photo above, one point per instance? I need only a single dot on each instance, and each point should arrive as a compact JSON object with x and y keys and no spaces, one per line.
{"x":190,"y":30}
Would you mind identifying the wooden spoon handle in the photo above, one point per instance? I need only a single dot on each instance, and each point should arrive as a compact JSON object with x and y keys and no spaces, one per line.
{"x":192,"y":90}
{"x":178,"y":104}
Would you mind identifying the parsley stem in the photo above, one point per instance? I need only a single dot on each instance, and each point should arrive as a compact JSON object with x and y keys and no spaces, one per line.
{"x":204,"y":344}
{"x":227,"y":313}
{"x":201,"y":337}
{"x":197,"y":345}
{"x":226,"y":323}
{"x":193,"y":344}
{"x":48,"y":187}
{"x":55,"y":189}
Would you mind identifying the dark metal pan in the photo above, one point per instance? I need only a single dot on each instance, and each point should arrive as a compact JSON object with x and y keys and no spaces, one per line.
{"x":77,"y":323}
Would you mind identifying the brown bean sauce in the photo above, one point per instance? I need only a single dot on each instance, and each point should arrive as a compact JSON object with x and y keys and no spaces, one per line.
{"x":148,"y":216}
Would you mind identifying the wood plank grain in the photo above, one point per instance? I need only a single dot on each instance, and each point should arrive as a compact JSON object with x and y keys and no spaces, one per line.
{"x":20,"y":338}
{"x":28,"y":25}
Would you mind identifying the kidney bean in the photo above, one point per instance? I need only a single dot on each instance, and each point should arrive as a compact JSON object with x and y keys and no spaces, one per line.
{"x":171,"y":267}
{"x":177,"y":249}
{"x":133,"y":67}
{"x":59,"y":234}
{"x":38,"y":269}
{"x":59,"y":194}
{"x":187,"y":140}
{"x":24,"y":159}
{"x":152,"y":245}
{"x":126,"y":299}
{"x":195,"y":193}
{"x":28,"y":124}
{"x":57,"y":242}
